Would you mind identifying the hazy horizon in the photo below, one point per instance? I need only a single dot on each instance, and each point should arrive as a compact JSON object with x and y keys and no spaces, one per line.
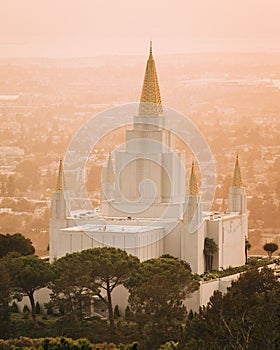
{"x":85,"y":28}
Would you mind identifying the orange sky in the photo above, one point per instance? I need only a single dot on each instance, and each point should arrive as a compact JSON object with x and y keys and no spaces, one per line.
{"x":96,"y":27}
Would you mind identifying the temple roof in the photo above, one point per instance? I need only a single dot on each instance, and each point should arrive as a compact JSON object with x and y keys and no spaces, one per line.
{"x":150,"y":101}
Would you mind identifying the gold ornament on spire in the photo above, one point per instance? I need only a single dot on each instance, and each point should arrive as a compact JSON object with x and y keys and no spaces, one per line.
{"x":109,"y":175}
{"x":60,"y":178}
{"x":150,"y":101}
{"x":193,"y":187}
{"x":237,"y":179}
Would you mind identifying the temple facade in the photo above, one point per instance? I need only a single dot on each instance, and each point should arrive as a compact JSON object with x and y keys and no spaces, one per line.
{"x":147,"y":207}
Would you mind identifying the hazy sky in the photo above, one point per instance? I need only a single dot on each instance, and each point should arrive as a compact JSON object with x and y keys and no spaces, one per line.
{"x":96,"y":27}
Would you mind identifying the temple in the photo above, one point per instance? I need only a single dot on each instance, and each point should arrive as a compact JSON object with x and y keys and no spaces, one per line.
{"x":147,"y":205}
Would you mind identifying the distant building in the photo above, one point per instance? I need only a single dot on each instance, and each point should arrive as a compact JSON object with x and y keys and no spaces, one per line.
{"x":6,"y":210}
{"x":11,"y":152}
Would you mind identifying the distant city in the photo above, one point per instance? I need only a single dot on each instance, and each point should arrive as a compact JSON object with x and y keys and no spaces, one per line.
{"x":234,"y":99}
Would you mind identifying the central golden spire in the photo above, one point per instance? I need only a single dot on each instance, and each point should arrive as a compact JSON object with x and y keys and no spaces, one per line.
{"x":237,"y":179}
{"x":193,"y":187}
{"x":150,"y":101}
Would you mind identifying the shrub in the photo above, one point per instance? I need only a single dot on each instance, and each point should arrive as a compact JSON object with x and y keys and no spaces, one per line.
{"x":14,"y":307}
{"x":37,"y":308}
{"x":26,"y":309}
{"x":117,"y":312}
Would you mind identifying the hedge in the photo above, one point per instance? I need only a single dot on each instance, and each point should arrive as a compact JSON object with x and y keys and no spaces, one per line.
{"x":60,"y":343}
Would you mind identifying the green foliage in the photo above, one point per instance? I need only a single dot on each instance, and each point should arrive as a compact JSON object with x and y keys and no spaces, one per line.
{"x":25,"y":309}
{"x":157,"y":291}
{"x":4,"y":300}
{"x":171,"y":345}
{"x":28,"y":274}
{"x":127,"y":313}
{"x":61,"y":343}
{"x":210,"y":248}
{"x":112,"y":267}
{"x":49,"y":309}
{"x":15,"y":243}
{"x":14,"y":307}
{"x":81,"y":275}
{"x":247,"y":248}
{"x":168,"y":256}
{"x":247,"y":317}
{"x":37,"y":308}
{"x":117,"y":312}
{"x":25,"y":312}
{"x":72,"y":286}
{"x":270,"y":248}
{"x":252,"y":263}
{"x":190,"y":315}
{"x":250,"y":312}
{"x":94,"y":329}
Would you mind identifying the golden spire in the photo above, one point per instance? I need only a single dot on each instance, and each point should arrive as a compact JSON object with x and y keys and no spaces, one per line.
{"x":109,"y":175}
{"x":60,"y":186}
{"x":237,"y":179}
{"x":193,"y":187}
{"x":150,"y":101}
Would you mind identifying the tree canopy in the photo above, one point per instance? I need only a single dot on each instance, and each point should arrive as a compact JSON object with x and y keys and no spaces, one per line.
{"x":210,"y":248}
{"x":90,"y":272}
{"x":247,"y":317}
{"x":28,"y":274}
{"x":157,"y":291}
{"x":4,"y":300}
{"x":16,"y":243}
{"x":270,"y":248}
{"x":112,"y":267}
{"x":247,"y":248}
{"x":73,"y":285}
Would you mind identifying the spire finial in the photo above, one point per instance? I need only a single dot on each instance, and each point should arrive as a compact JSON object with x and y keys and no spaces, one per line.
{"x":237,"y":178}
{"x":193,"y":187}
{"x":150,"y":101}
{"x":60,"y":178}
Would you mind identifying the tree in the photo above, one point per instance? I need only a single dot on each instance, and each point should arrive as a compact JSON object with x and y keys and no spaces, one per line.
{"x":28,"y":274}
{"x":73,"y":286}
{"x":80,"y":276}
{"x":4,"y":300}
{"x":247,"y":317}
{"x":38,"y":308}
{"x":16,"y":243}
{"x":117,"y":312}
{"x":210,"y":248}
{"x":247,"y":248}
{"x":157,"y":291}
{"x":270,"y":248}
{"x":111,"y":267}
